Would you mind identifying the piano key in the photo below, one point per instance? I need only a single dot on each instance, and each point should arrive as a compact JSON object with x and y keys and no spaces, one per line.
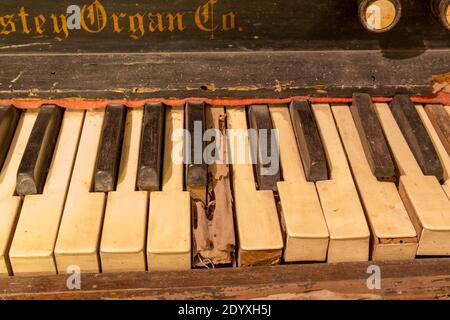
{"x":39,"y":151}
{"x":213,"y":227}
{"x":308,"y":141}
{"x":349,"y":233}
{"x":32,"y":246}
{"x":306,"y":232}
{"x":196,"y":169}
{"x":122,"y":246}
{"x":372,"y":138}
{"x":9,"y":202}
{"x":108,"y":157}
{"x":169,"y":225}
{"x":9,"y":117}
{"x":441,"y":123}
{"x":379,"y":15}
{"x":260,"y":121}
{"x":260,"y":238}
{"x":423,"y":196}
{"x":149,"y":169}
{"x":428,"y":118}
{"x":81,"y":222}
{"x":416,"y":135}
{"x":393,"y":234}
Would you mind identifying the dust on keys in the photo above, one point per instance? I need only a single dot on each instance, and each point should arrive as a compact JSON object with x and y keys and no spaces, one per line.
{"x":174,"y":188}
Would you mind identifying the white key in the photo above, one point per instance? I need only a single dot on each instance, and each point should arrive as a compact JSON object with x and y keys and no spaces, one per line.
{"x":349,"y":233}
{"x":423,"y":196}
{"x":35,"y":236}
{"x":169,"y":226}
{"x":79,"y":233}
{"x":10,"y":204}
{"x":124,"y":229}
{"x":306,"y":231}
{"x":393,"y":234}
{"x":259,"y":232}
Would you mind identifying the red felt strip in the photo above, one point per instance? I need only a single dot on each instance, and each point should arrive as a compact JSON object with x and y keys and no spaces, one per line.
{"x":440,"y":98}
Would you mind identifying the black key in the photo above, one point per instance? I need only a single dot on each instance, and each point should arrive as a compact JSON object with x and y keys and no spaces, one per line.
{"x":372,"y":138}
{"x":416,"y":136}
{"x":110,"y":148}
{"x":308,"y":141}
{"x":39,"y":151}
{"x":9,"y":117}
{"x":149,"y":168}
{"x":196,"y":169}
{"x":261,"y":122}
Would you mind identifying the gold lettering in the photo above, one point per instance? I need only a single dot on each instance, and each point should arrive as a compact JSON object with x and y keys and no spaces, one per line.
{"x":228,"y":21}
{"x":137,"y":26}
{"x":57,"y":28}
{"x":96,"y":16}
{"x":179,"y":21}
{"x":23,"y":17}
{"x":8,"y":25}
{"x":39,"y":22}
{"x":204,"y":16}
{"x":116,"y":19}
{"x":155,"y":25}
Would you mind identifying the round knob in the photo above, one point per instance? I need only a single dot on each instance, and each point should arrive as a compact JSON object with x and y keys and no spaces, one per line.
{"x":379,"y":15}
{"x":441,"y":8}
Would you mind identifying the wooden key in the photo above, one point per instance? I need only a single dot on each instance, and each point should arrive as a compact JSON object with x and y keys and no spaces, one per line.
{"x":393,"y":234}
{"x":39,"y":151}
{"x":169,"y":225}
{"x":122,"y":246}
{"x":260,"y":238}
{"x":416,"y":135}
{"x":423,"y":196}
{"x":308,"y":141}
{"x":305,"y":228}
{"x":149,"y":168}
{"x":9,"y":202}
{"x":441,"y":123}
{"x":196,"y":169}
{"x":37,"y":229}
{"x":261,"y":123}
{"x":213,"y":226}
{"x":108,"y":157}
{"x":379,"y":15}
{"x":349,"y":233}
{"x":81,"y":223}
{"x":372,"y":138}
{"x":9,"y":117}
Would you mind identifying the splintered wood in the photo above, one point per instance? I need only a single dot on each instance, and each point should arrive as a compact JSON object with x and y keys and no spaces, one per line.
{"x":214,"y":238}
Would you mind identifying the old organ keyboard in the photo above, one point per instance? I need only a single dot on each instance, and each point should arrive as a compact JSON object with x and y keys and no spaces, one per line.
{"x":321,"y":137}
{"x":117,"y":199}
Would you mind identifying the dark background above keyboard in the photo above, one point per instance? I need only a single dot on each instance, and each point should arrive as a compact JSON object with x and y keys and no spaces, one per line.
{"x":259,"y":25}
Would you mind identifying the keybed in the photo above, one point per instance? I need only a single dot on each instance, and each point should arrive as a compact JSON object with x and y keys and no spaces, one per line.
{"x":115,"y":190}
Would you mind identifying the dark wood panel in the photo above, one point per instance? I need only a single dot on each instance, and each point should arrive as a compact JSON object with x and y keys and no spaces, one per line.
{"x":110,"y":149}
{"x":186,"y":25}
{"x":9,"y":117}
{"x":441,"y":123}
{"x":308,"y":141}
{"x":372,"y":138}
{"x":151,"y":146}
{"x":38,"y":153}
{"x":416,"y":136}
{"x":209,"y":75}
{"x":415,"y":279}
{"x":267,"y":174}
